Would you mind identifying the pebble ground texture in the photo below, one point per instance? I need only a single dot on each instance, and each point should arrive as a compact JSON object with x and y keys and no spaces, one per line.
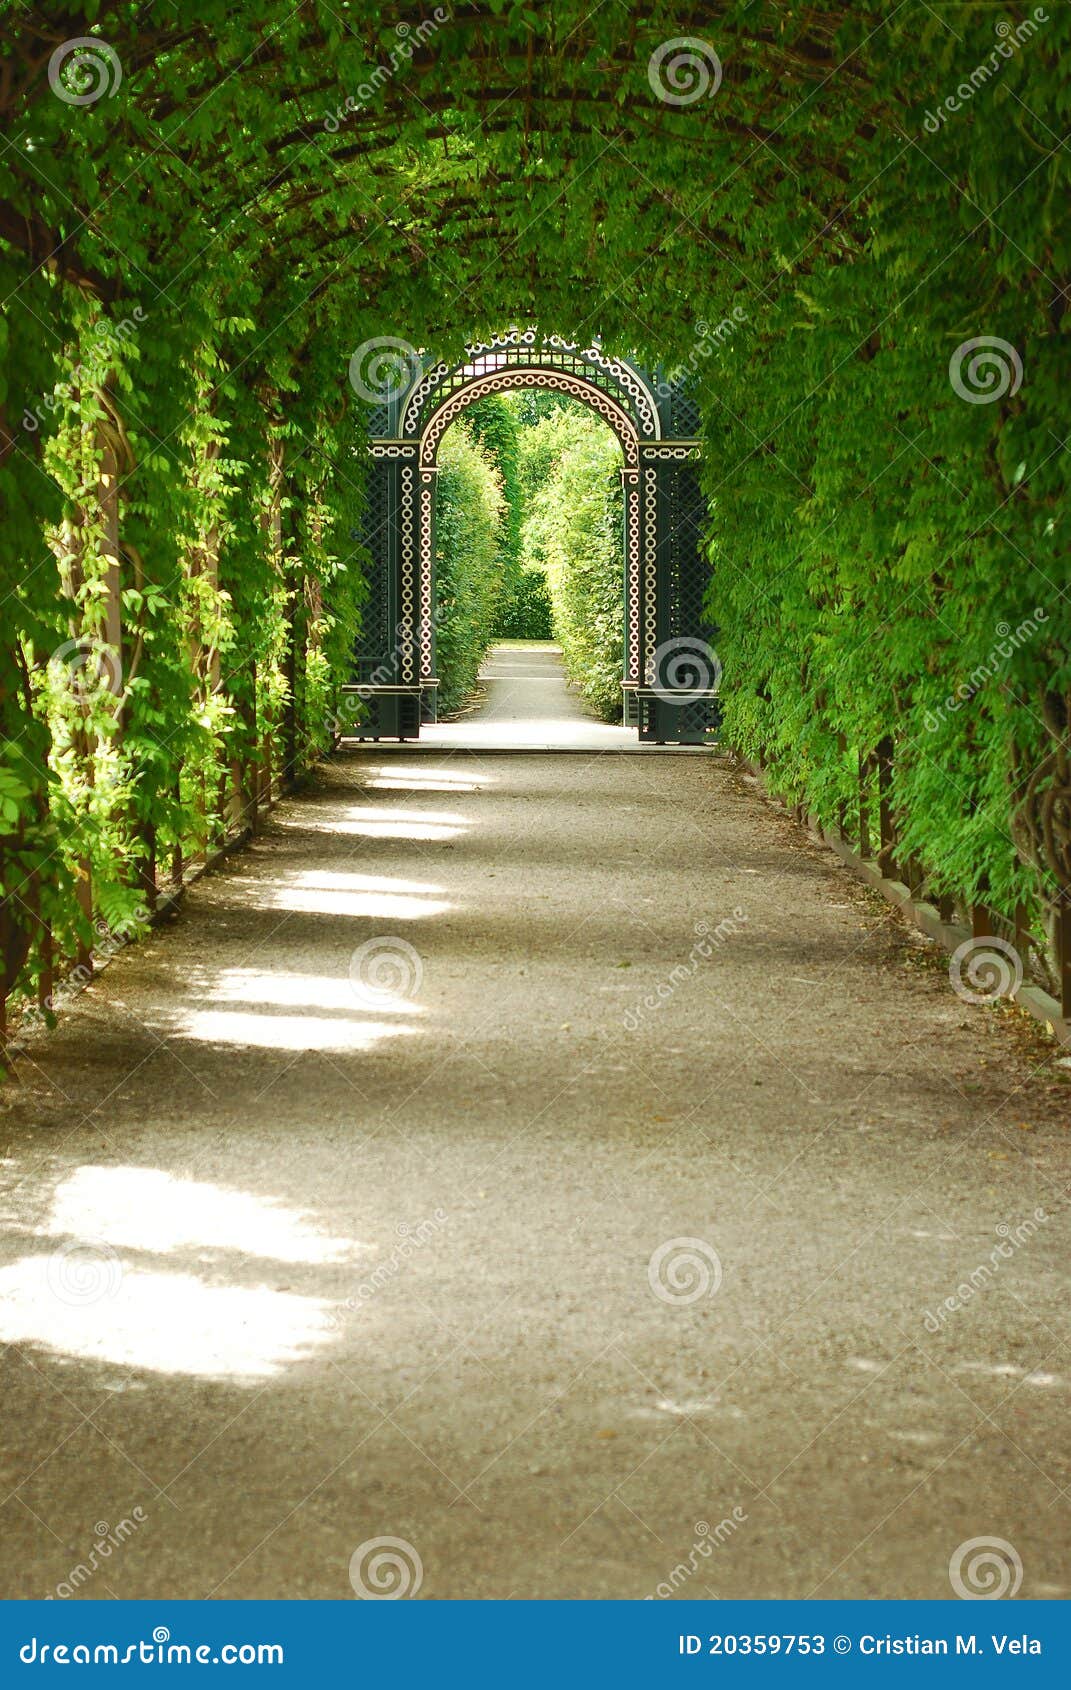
{"x":291,"y":1265}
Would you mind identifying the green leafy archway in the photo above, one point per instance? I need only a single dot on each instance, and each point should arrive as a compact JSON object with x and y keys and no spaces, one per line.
{"x":848,"y":225}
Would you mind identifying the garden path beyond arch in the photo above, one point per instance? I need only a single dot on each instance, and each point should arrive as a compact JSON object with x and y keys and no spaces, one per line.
{"x":669,"y":679}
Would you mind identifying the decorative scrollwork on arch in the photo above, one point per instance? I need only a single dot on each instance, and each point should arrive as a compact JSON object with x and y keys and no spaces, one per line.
{"x":508,"y":380}
{"x":519,"y":349}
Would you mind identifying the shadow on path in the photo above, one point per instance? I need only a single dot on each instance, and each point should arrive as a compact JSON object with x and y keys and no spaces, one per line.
{"x":554,"y":1163}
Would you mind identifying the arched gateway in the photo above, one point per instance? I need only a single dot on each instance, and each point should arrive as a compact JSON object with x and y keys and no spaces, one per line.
{"x":670,"y":673}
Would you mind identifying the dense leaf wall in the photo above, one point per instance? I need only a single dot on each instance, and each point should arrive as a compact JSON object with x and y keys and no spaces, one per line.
{"x":814,"y":217}
{"x":573,"y":531}
{"x":471,"y":516}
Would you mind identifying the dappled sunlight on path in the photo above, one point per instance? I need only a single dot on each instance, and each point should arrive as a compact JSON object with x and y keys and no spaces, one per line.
{"x":531,"y":1173}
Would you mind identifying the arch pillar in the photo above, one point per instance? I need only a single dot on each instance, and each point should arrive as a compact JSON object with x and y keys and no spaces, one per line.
{"x":385,"y":689}
{"x":675,"y":679}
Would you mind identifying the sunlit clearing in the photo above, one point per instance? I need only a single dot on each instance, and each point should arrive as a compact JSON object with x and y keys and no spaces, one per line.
{"x":396,"y":784}
{"x":1010,"y":1370}
{"x":443,"y":774}
{"x":434,"y":818}
{"x":378,"y":906}
{"x":371,"y":823}
{"x":318,"y":991}
{"x":290,"y":1032}
{"x":400,"y":830}
{"x":394,"y":777}
{"x":150,"y":1209}
{"x":548,"y":731}
{"x":373,"y":896}
{"x":165,"y":1322}
{"x":345,"y":881}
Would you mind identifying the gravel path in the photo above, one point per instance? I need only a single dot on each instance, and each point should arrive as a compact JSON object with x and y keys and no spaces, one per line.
{"x":526,"y":705}
{"x":549,"y":1162}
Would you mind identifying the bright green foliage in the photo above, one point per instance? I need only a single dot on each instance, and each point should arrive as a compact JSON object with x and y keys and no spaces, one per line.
{"x":571,"y":479}
{"x":528,"y":614}
{"x":468,"y":578}
{"x":188,"y":261}
{"x":883,"y":545}
{"x":493,"y":424}
{"x":522,"y":603}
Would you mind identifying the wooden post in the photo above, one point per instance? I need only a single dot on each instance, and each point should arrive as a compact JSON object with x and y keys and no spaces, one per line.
{"x":886,"y":828}
{"x":252,"y":770}
{"x":109,"y":514}
{"x":202,"y":805}
{"x":84,"y":894}
{"x":222,"y":808}
{"x":45,"y":980}
{"x":842,"y":807}
{"x":1063,"y":953}
{"x":275,"y":540}
{"x":1022,"y":935}
{"x":178,"y":867}
{"x":864,"y":766}
{"x":296,"y":627}
{"x":46,"y":984}
{"x":147,"y":866}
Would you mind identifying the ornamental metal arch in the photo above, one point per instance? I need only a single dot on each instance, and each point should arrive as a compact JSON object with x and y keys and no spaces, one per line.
{"x":670,"y":677}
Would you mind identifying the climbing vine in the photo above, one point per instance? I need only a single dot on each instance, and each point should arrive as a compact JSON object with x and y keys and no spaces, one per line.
{"x":818,"y":220}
